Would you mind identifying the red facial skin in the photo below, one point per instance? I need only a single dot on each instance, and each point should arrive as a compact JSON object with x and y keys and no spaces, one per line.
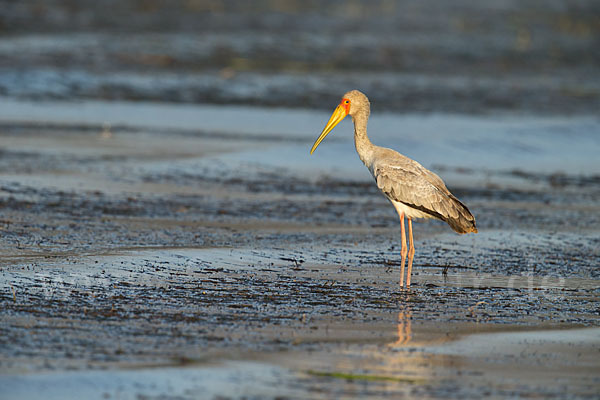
{"x":346,"y":104}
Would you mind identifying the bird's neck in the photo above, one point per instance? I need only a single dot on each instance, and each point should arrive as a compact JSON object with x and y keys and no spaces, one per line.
{"x":364,"y":147}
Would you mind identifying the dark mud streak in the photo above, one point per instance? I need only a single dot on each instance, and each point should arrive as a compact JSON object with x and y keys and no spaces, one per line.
{"x":188,"y":311}
{"x":42,"y":220}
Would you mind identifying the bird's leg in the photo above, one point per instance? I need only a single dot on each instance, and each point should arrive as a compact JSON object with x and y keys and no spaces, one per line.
{"x":411,"y":252}
{"x":403,"y":250}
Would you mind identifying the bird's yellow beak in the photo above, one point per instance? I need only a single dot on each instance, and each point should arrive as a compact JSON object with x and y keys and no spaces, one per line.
{"x":338,"y":115}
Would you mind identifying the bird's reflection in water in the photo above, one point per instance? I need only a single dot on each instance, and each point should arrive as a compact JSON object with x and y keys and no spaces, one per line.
{"x":404,"y":327}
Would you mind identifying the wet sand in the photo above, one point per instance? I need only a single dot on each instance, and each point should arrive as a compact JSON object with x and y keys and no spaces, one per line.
{"x":142,"y":256}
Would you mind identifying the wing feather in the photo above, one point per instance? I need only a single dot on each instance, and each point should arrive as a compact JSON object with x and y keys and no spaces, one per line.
{"x":406,"y":181}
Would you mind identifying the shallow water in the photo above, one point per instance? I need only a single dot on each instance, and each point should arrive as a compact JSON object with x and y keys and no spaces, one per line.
{"x":407,"y":366}
{"x":159,"y":250}
{"x":164,"y":232}
{"x":494,"y":150}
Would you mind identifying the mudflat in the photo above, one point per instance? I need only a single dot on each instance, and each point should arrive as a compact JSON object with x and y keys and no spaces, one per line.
{"x":148,"y":251}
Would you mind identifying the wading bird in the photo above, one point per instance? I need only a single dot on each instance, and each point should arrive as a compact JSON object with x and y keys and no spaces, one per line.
{"x":414,"y":191}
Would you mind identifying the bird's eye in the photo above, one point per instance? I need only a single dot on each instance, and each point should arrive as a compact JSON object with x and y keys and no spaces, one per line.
{"x":347,"y":101}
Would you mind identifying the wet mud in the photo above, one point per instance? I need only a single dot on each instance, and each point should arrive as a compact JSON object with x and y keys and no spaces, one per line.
{"x":159,"y":242}
{"x":139,"y":255}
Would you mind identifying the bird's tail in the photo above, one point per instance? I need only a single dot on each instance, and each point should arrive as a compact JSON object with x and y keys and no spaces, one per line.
{"x":465,"y":221}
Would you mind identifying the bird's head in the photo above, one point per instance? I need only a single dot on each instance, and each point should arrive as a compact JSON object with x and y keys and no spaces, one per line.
{"x":353,"y":103}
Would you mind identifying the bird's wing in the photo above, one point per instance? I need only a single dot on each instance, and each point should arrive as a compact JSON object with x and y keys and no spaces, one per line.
{"x":414,"y":188}
{"x":406,"y":181}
